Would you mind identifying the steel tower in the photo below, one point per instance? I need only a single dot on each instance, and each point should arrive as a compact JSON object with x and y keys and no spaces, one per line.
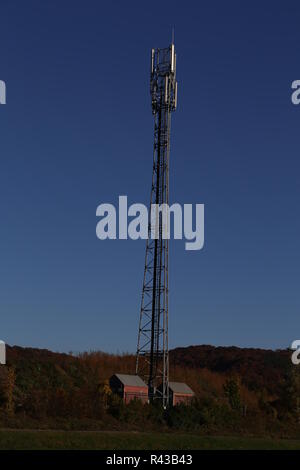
{"x":152,"y":361}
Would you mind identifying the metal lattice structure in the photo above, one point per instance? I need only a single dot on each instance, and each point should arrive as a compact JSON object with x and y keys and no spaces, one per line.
{"x":152,"y":361}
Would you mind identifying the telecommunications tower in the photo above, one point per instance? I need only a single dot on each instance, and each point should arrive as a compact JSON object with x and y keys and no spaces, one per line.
{"x":152,"y":361}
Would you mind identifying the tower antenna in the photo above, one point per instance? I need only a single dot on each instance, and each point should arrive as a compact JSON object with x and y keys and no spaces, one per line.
{"x":152,"y":357}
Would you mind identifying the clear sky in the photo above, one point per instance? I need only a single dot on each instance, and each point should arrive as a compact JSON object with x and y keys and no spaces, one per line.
{"x":77,"y":131}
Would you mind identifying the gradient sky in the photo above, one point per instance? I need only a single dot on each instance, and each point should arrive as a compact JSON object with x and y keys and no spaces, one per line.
{"x":77,"y":131}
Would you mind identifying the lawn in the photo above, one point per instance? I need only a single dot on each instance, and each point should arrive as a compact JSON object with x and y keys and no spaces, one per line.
{"x":17,"y":439}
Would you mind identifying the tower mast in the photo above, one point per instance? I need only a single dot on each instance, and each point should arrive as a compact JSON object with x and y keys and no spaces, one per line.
{"x":152,"y":358}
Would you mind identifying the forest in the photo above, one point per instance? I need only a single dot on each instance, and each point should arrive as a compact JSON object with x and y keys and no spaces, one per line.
{"x":237,"y":391}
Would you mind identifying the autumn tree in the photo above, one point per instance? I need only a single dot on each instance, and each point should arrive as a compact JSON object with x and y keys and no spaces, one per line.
{"x":233,"y":393}
{"x":290,"y":394}
{"x":7,"y":386}
{"x":104,"y":392}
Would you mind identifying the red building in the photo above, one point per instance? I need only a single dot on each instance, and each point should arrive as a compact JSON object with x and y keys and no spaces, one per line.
{"x":179,"y":392}
{"x":129,"y":387}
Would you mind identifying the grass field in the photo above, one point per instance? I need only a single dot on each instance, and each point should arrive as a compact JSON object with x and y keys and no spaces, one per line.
{"x":11,"y":439}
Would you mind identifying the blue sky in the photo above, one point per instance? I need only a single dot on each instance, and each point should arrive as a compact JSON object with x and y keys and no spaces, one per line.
{"x":77,"y":131}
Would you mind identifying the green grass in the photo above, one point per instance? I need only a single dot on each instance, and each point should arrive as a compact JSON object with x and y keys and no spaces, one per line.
{"x":15,"y":439}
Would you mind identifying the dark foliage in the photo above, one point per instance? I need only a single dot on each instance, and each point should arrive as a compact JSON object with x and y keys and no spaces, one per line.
{"x":237,"y":390}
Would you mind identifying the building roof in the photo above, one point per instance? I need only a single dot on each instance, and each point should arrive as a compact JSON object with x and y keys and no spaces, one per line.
{"x":180,"y":387}
{"x":131,"y":380}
